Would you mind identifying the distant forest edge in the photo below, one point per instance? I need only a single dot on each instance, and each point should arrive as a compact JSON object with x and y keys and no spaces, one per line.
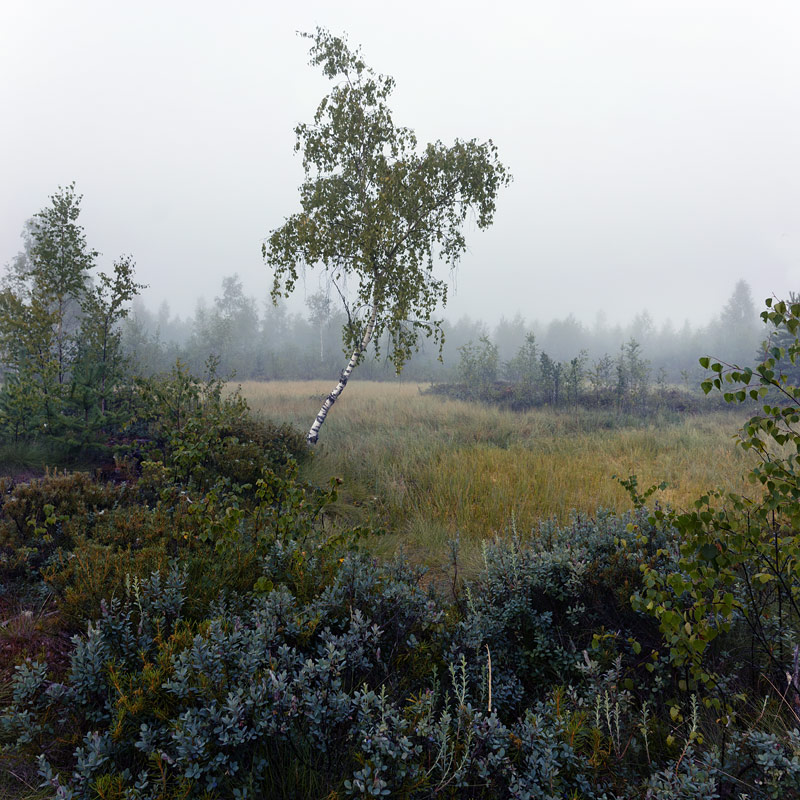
{"x":255,"y":340}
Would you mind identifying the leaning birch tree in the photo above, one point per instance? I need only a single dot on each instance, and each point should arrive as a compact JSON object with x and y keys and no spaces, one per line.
{"x":379,"y":211}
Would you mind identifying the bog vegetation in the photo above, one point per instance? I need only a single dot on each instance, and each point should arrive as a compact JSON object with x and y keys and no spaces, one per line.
{"x":214,"y":617}
{"x":427,"y":469}
{"x":453,"y":597}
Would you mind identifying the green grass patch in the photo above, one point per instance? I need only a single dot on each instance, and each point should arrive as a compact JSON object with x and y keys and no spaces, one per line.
{"x":428,"y":469}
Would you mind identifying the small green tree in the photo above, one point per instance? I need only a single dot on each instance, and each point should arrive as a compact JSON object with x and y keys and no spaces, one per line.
{"x":60,"y":266}
{"x":633,"y":375}
{"x":100,"y":362}
{"x":523,"y":368}
{"x":319,"y":314}
{"x":60,"y":348}
{"x":226,"y":329}
{"x":29,"y":355}
{"x":552,"y":375}
{"x":477,"y":367}
{"x":378,"y":210}
{"x":20,"y":406}
{"x":737,"y":331}
{"x":601,"y":376}
{"x":738,"y":566}
{"x":575,"y":374}
{"x":40,"y":304}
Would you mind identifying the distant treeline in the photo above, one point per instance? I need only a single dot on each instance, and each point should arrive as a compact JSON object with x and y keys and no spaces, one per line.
{"x":255,"y":340}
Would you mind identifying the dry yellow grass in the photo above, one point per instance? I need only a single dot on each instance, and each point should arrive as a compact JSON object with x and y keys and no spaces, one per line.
{"x":428,"y":468}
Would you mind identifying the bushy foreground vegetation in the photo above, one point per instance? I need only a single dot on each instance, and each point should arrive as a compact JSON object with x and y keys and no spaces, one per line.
{"x":335,"y":675}
{"x":367,"y":685}
{"x":243,"y":643}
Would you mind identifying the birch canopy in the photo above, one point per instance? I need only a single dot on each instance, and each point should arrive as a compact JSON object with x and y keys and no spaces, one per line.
{"x":378,"y":212}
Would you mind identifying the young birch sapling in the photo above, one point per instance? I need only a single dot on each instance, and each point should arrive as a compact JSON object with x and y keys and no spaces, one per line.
{"x":378,"y":211}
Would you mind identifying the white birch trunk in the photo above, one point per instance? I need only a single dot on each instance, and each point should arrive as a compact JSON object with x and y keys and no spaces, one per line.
{"x":313,"y":434}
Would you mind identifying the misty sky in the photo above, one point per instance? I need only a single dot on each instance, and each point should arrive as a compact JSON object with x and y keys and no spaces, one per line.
{"x":655,"y":146}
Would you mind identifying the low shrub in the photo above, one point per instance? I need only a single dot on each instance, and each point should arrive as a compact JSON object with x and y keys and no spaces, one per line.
{"x":155,"y":706}
{"x":542,"y":601}
{"x":337,"y":675}
{"x":215,"y":491}
{"x":34,"y":508}
{"x":204,"y":435}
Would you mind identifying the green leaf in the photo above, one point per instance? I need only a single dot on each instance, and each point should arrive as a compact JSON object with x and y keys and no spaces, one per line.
{"x":708,"y":552}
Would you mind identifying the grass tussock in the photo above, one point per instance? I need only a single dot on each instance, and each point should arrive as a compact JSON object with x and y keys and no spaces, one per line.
{"x":428,"y":469}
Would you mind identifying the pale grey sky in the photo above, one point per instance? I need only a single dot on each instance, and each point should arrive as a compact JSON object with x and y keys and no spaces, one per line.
{"x":654,"y":144}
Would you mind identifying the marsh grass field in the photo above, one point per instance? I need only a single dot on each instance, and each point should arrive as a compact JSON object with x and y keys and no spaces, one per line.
{"x":427,"y":469}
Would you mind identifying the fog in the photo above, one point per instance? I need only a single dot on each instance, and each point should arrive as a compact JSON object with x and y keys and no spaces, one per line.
{"x":653,"y":145}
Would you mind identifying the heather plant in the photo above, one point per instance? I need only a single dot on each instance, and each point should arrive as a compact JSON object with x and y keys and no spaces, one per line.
{"x":45,"y":516}
{"x":228,"y":490}
{"x":221,"y":537}
{"x":30,"y":508}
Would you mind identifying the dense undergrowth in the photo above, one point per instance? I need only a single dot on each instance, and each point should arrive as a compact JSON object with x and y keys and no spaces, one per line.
{"x":309,"y":669}
{"x":326,"y":673}
{"x":232,"y":637}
